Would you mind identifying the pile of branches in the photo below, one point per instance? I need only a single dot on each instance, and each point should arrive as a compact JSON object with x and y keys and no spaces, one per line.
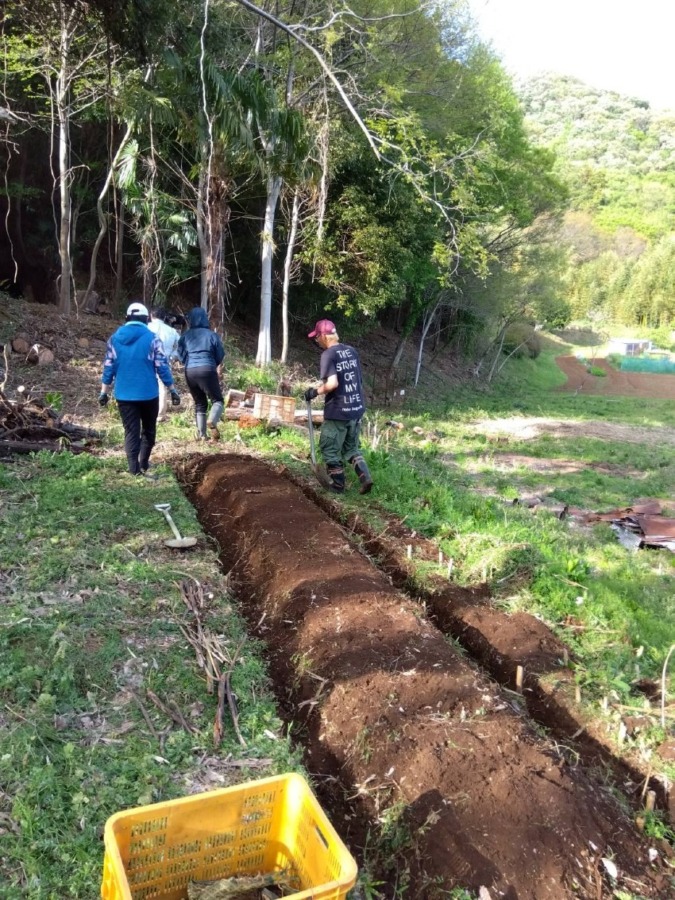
{"x":27,"y":426}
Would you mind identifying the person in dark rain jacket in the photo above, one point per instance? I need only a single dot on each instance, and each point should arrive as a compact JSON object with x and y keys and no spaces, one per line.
{"x":134,"y":360}
{"x":201,"y":351}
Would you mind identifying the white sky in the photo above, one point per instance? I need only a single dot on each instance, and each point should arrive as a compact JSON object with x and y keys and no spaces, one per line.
{"x":620,"y":45}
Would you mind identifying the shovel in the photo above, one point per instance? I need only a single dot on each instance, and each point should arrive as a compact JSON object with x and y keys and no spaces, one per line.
{"x":319,"y":471}
{"x":177,"y":543}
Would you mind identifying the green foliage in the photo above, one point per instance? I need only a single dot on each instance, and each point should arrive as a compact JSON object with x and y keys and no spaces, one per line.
{"x":657,"y":828}
{"x":617,"y":156}
{"x":522,"y":340}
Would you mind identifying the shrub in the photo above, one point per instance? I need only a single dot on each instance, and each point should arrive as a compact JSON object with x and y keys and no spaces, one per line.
{"x":522,"y":340}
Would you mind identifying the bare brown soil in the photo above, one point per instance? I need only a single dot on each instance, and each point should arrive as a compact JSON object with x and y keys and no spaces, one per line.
{"x":614,"y":382}
{"x":395,"y":714}
{"x":525,"y":428}
{"x":501,"y":643}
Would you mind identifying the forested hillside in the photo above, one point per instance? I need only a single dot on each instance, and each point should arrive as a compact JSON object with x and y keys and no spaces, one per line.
{"x":370,"y":162}
{"x":367,"y":161}
{"x":618,"y":158}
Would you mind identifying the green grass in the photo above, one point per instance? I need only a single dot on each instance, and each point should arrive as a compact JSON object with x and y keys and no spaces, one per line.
{"x":89,"y":620}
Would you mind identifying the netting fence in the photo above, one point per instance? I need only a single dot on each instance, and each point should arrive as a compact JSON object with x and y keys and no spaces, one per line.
{"x":660,"y":365}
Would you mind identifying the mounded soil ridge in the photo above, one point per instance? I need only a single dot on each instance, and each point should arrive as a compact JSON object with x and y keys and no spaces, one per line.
{"x":500,"y":642}
{"x":395,"y":713}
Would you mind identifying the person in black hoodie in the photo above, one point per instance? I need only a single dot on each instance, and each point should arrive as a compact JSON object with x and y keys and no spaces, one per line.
{"x":201,"y":352}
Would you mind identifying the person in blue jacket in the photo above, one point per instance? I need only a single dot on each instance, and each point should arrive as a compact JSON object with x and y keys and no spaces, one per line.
{"x":201,"y":351}
{"x":134,"y":360}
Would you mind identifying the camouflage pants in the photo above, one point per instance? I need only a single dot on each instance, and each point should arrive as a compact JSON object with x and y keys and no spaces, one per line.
{"x":339,"y":440}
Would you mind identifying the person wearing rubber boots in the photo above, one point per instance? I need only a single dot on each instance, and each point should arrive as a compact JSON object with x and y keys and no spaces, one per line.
{"x":134,"y":360}
{"x":344,"y":406}
{"x":201,"y":351}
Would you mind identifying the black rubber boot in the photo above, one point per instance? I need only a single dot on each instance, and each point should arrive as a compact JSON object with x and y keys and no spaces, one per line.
{"x":201,"y":426}
{"x":337,"y":478}
{"x":363,"y":474}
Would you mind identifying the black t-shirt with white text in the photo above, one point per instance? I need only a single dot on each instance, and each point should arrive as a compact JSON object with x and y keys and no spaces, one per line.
{"x":347,"y":400}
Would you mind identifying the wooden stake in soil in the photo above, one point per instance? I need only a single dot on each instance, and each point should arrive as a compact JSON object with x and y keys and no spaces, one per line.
{"x":409,"y":551}
{"x":577,"y":693}
{"x":651,"y":801}
{"x":451,"y":564}
{"x":520,"y":672}
{"x":440,"y":557}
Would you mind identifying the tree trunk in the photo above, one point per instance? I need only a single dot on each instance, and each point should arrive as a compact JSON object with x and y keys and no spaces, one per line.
{"x":264,"y":354}
{"x":64,"y":173}
{"x":427,"y":321}
{"x":201,"y":239}
{"x":147,"y":267}
{"x":213,"y":214}
{"x":102,"y":217}
{"x":501,"y":339}
{"x":119,"y":267}
{"x":295,"y":215}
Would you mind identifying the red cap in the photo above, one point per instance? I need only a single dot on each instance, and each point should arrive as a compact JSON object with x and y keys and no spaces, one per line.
{"x":323,"y":326}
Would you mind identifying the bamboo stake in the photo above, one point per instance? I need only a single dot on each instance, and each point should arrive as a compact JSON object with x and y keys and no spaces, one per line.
{"x":520,"y":672}
{"x":663,"y":688}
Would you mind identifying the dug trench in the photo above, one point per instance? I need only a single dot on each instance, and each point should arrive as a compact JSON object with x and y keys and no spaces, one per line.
{"x":393,"y":715}
{"x":502,"y":643}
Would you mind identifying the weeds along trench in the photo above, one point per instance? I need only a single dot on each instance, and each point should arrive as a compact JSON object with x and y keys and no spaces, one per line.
{"x":457,"y":786}
{"x":502,"y":643}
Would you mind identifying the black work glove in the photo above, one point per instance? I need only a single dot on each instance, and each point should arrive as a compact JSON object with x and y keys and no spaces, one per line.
{"x":103,"y":399}
{"x":175,"y":397}
{"x":310,"y":394}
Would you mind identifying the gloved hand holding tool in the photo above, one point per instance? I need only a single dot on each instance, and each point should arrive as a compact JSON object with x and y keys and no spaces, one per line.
{"x":103,"y":399}
{"x":175,"y":397}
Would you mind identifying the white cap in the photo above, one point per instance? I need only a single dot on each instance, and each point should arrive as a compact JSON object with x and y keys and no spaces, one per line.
{"x":137,"y":309}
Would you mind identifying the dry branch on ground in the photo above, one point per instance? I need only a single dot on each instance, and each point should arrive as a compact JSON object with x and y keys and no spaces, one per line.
{"x":27,"y":425}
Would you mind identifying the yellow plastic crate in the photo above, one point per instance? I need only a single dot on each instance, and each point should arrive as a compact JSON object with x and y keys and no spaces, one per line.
{"x":272,"y":825}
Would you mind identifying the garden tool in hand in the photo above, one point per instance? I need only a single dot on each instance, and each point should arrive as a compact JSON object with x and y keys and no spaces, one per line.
{"x":319,"y":471}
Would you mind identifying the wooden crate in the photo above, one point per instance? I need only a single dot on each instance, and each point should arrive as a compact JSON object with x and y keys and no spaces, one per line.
{"x":274,"y":406}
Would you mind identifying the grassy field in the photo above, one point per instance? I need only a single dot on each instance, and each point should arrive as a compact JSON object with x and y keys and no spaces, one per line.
{"x":92,"y":608}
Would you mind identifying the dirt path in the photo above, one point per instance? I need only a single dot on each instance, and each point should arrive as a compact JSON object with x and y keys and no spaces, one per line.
{"x":396,"y":715}
{"x":622,"y":384}
{"x":526,"y":428}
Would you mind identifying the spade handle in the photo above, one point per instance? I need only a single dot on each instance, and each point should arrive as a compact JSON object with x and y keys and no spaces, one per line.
{"x":164,"y":509}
